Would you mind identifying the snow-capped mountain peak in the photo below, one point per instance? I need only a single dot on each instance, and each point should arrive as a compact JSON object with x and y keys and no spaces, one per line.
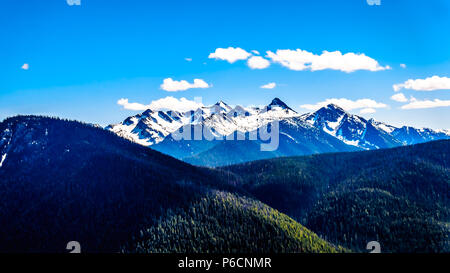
{"x":367,"y":134}
{"x":334,"y":107}
{"x":223,"y":106}
{"x":351,"y":129}
{"x":327,"y":117}
{"x":151,"y":127}
{"x":276,"y":102}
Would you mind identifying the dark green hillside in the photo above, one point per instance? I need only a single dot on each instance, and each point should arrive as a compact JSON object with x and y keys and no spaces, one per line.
{"x":226,"y":223}
{"x":64,"y":180}
{"x":353,"y":218}
{"x":417,"y":174}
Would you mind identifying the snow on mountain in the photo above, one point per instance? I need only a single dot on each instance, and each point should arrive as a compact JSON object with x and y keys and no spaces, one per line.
{"x":295,"y":138}
{"x":326,"y":118}
{"x":5,"y":141}
{"x":367,"y":134}
{"x":351,"y":129}
{"x":152,"y":127}
{"x":382,"y":126}
{"x":410,"y":135}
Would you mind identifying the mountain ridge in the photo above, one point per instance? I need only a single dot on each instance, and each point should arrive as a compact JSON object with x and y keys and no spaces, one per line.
{"x":223,"y":121}
{"x":397,"y":196}
{"x":64,"y":180}
{"x":69,"y":181}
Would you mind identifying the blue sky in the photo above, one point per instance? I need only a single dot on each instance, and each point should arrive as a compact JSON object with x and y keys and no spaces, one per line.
{"x":83,"y":58}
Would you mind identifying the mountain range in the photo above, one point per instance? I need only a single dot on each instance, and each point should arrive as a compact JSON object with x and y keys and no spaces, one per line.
{"x":329,"y":129}
{"x":398,"y":196}
{"x":64,"y":181}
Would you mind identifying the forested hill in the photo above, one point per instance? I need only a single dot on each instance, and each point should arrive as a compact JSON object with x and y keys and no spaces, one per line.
{"x":64,"y":181}
{"x":223,"y":222}
{"x":399,"y":196}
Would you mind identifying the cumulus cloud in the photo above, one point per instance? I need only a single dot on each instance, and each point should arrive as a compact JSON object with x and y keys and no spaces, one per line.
{"x":403,"y":65}
{"x":347,"y":104}
{"x":173,"y":86}
{"x":25,"y":66}
{"x":257,"y":62}
{"x":270,"y":85}
{"x":303,"y":60}
{"x":167,"y":103}
{"x":132,"y":105}
{"x":423,"y":104}
{"x":428,"y":84}
{"x":400,"y":97}
{"x":230,"y":54}
{"x":188,"y":59}
{"x":256,"y":52}
{"x":73,"y":2}
{"x":367,"y":111}
{"x":172,"y":103}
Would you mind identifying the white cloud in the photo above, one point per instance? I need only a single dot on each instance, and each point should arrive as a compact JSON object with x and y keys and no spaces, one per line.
{"x":270,"y":85}
{"x":73,"y":2}
{"x":257,"y":62}
{"x":188,"y":59}
{"x":428,"y":84}
{"x":367,"y":111}
{"x":422,"y":104}
{"x":25,"y":66}
{"x":346,"y":104}
{"x":167,"y":103}
{"x":172,"y":103}
{"x":172,"y":86}
{"x":303,"y":60}
{"x":403,"y":65}
{"x":229,"y":54}
{"x":256,"y":52}
{"x":400,"y":97}
{"x":132,"y":105}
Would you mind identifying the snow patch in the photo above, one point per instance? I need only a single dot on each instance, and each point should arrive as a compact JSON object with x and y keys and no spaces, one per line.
{"x":290,"y":137}
{"x":3,"y":160}
{"x":384,"y":127}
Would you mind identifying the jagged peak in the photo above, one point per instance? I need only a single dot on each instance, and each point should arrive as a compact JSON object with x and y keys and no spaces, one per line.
{"x":330,"y":109}
{"x":334,"y":107}
{"x":277,"y":102}
{"x":147,"y":112}
{"x":221,"y":103}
